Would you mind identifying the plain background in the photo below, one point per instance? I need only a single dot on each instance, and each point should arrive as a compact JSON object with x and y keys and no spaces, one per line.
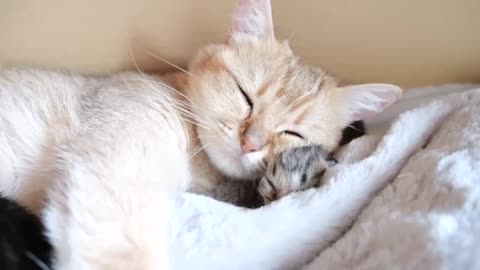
{"x":408,"y":42}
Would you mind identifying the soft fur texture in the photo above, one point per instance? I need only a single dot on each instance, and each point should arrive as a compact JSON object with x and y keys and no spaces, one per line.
{"x":105,"y":157}
{"x":23,"y":245}
{"x":296,"y":169}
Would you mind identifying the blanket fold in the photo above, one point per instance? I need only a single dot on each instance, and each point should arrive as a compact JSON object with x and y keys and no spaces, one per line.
{"x":428,"y":217}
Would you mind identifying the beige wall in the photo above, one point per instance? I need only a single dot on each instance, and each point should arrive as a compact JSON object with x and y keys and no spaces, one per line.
{"x":410,"y":42}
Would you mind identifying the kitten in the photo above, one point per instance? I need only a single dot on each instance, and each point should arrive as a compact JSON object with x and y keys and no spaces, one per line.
{"x":294,"y":170}
{"x":239,"y":193}
{"x":301,"y":168}
{"x":108,"y":155}
{"x":23,"y":245}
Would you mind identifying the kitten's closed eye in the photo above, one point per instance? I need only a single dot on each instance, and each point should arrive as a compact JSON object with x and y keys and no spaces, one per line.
{"x":267,"y":190}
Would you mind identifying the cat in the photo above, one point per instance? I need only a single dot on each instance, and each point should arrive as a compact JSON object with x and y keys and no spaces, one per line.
{"x":294,"y":170}
{"x":105,"y":157}
{"x":23,"y":245}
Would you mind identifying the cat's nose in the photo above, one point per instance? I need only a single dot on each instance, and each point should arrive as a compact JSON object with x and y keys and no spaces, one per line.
{"x":248,"y":145}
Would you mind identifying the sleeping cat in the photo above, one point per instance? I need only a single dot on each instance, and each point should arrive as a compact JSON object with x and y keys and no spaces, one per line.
{"x":104,"y":157}
{"x":22,"y":243}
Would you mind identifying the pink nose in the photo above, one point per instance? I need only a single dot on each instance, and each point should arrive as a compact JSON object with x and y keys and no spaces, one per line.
{"x":247,"y":145}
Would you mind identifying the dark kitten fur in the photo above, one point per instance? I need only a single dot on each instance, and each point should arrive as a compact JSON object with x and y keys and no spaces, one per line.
{"x":23,"y":245}
{"x":354,"y":130}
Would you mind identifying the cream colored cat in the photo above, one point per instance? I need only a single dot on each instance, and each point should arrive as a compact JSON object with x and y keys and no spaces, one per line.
{"x":108,"y":153}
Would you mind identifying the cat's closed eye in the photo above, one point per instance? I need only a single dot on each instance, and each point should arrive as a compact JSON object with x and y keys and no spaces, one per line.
{"x":293,"y":133}
{"x":244,"y":94}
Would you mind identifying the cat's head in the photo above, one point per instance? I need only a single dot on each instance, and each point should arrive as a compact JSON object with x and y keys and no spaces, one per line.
{"x":256,"y":98}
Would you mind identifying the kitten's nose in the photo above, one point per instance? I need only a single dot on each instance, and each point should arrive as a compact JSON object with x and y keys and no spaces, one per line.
{"x":248,"y":145}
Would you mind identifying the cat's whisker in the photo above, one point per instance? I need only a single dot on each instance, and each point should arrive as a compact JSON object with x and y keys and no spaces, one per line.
{"x":191,"y":118}
{"x":166,"y":96}
{"x":37,"y":261}
{"x":193,"y":151}
{"x":184,"y":104}
{"x":168,"y":62}
{"x":194,"y":123}
{"x":161,"y":83}
{"x":197,"y":151}
{"x":184,"y":109}
{"x":143,"y":75}
{"x":191,"y":115}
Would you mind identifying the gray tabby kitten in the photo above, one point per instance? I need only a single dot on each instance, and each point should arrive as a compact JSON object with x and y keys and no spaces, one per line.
{"x":294,"y":170}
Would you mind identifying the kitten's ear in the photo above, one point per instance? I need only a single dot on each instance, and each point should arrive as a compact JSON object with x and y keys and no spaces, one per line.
{"x":252,"y":18}
{"x":364,"y":100}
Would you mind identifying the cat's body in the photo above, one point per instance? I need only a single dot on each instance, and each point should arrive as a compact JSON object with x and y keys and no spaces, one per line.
{"x":85,"y":132}
{"x":104,"y":156}
{"x":23,"y":245}
{"x":45,"y":112}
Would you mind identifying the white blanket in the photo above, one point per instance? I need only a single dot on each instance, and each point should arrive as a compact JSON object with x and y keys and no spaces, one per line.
{"x":427,"y":218}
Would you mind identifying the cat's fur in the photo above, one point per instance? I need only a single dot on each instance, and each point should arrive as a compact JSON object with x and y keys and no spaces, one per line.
{"x":294,"y":170}
{"x":23,"y":245}
{"x":110,"y":153}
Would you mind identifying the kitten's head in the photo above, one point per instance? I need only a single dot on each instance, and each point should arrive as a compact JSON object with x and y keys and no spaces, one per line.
{"x":293,"y":170}
{"x":257,"y":98}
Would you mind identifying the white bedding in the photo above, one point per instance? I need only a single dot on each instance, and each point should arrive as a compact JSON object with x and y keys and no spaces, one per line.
{"x":427,"y":218}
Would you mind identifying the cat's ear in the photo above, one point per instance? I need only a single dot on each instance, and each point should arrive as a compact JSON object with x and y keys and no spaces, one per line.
{"x":252,"y":18}
{"x":364,"y":100}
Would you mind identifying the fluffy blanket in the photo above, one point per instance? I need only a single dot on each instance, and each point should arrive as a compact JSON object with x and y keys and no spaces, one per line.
{"x":427,"y":218}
